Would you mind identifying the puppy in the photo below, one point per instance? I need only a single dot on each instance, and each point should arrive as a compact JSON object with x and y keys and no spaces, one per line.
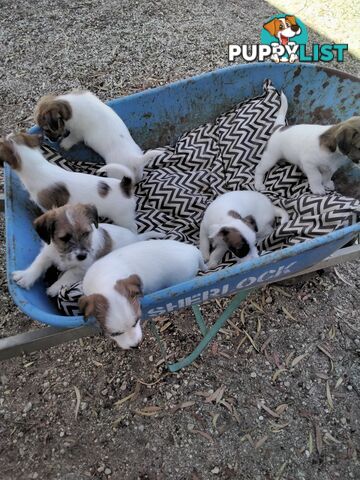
{"x":114,"y":284}
{"x":73,"y":241}
{"x":50,"y":186}
{"x":318,"y":150}
{"x":82,"y":117}
{"x":235,"y":221}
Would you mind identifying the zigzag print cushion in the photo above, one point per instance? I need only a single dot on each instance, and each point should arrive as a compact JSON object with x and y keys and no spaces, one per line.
{"x":212,"y":159}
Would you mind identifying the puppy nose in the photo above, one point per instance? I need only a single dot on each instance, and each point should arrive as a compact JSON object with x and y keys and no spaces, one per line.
{"x":81,"y":256}
{"x":295,"y":28}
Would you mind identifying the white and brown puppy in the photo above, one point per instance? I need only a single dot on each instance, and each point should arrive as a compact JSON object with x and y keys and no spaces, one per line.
{"x":235,"y":221}
{"x":50,"y":186}
{"x":318,"y":150}
{"x":73,"y":241}
{"x":82,"y":117}
{"x":114,"y":284}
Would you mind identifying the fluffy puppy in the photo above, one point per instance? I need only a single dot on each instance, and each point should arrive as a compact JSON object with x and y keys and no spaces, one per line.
{"x":50,"y":186}
{"x":114,"y":284}
{"x":318,"y":150}
{"x":82,"y":117}
{"x":73,"y":241}
{"x":235,"y":221}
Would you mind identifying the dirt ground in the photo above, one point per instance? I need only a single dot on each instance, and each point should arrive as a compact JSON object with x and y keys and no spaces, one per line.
{"x":276,"y":396}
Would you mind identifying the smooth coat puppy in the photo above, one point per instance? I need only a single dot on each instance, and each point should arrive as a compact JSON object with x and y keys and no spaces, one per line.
{"x":318,"y":150}
{"x":82,"y":117}
{"x":50,"y":186}
{"x":73,"y":241}
{"x":114,"y":284}
{"x":235,"y":221}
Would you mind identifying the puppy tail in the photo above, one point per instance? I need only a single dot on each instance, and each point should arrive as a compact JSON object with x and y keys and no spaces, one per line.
{"x":115,"y":170}
{"x":281,"y":117}
{"x":151,"y":235}
{"x":280,"y":212}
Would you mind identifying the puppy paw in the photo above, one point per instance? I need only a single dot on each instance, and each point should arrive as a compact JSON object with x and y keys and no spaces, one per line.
{"x":24,"y":278}
{"x":259,"y":185}
{"x":66,"y":143}
{"x":330,"y":185}
{"x":318,"y":190}
{"x":53,"y":290}
{"x":212,"y":264}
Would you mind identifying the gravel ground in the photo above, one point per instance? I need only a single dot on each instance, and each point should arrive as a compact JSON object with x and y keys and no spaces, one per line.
{"x":275,"y":396}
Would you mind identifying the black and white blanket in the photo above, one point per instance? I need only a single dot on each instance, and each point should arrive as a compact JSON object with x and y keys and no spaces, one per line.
{"x":215,"y":158}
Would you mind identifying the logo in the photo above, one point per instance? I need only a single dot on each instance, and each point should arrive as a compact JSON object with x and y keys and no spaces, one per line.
{"x":284,"y":38}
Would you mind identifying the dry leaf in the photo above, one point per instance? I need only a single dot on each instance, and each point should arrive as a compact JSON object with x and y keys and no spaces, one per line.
{"x":288,"y":358}
{"x":204,"y":435}
{"x":328,"y":396}
{"x":257,"y":307}
{"x":318,"y":439}
{"x":164,"y":327}
{"x":149,"y":411}
{"x":216,"y":396}
{"x":298,"y":359}
{"x":280,"y":472}
{"x":269,"y":411}
{"x":339,"y":382}
{"x":248,"y":438}
{"x":280,"y":409}
{"x":277,"y":427}
{"x":78,"y":398}
{"x":118,"y":403}
{"x":320,"y":347}
{"x":288,"y":314}
{"x":261,"y":442}
{"x":258,"y":327}
{"x":328,"y":436}
{"x":183,"y":405}
{"x":310,"y":443}
{"x":277,"y":373}
{"x":265,"y":344}
{"x":215,"y":419}
{"x":251,"y":341}
{"x":97,"y":364}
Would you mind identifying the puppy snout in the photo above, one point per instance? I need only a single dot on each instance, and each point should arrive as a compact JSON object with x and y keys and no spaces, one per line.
{"x":295,"y":28}
{"x":81,"y":256}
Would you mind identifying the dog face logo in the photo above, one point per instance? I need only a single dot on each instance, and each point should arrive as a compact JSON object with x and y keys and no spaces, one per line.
{"x":284,"y":32}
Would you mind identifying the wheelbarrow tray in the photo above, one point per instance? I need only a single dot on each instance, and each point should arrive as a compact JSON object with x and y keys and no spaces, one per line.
{"x":156,"y":117}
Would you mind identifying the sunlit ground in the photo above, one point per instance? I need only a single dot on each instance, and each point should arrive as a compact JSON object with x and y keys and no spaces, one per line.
{"x":338,"y":20}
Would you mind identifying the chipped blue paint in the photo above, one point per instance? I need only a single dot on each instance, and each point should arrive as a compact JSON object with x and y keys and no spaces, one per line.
{"x":157,"y":117}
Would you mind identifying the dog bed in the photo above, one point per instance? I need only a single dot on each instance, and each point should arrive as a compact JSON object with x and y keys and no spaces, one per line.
{"x":212,"y":159}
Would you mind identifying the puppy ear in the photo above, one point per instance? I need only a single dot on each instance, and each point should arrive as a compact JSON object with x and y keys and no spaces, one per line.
{"x":251,"y":222}
{"x":45,"y":226}
{"x":271,"y":27}
{"x":64,"y":109}
{"x":328,"y":140}
{"x":92,"y":213}
{"x":224,"y":232}
{"x":344,"y":139}
{"x":94,"y":305}
{"x":9,"y":155}
{"x":131,"y":287}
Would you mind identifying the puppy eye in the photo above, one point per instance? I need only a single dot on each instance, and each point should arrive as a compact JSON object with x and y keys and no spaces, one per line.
{"x":66,"y":237}
{"x":287,"y":24}
{"x":281,"y":27}
{"x":85,"y":234}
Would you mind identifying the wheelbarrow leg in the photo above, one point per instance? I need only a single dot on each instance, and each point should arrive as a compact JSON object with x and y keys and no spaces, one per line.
{"x":208,"y":334}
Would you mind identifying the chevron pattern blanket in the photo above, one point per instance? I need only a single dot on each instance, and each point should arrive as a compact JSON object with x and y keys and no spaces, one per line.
{"x":212,"y":159}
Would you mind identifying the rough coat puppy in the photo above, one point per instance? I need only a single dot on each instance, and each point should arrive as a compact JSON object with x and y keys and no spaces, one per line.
{"x":235,"y":221}
{"x":318,"y":150}
{"x":82,"y":117}
{"x":73,"y":241}
{"x":114,"y":284}
{"x":50,"y":186}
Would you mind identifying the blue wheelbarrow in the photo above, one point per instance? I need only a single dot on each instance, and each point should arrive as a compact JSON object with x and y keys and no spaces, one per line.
{"x":157,"y":117}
